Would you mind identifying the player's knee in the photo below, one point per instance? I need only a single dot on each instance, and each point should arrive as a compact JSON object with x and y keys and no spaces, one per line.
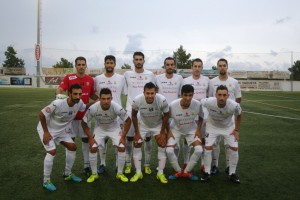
{"x":85,"y":140}
{"x":71,"y":147}
{"x":137,"y":145}
{"x":234,"y":148}
{"x":121,"y":149}
{"x":209,"y":148}
{"x":52,"y":152}
{"x":147,"y":139}
{"x":198,"y":150}
{"x":130,"y":139}
{"x":93,"y":150}
{"x":170,"y":150}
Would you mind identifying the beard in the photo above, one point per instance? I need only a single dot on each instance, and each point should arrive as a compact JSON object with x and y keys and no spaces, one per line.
{"x":109,"y":70}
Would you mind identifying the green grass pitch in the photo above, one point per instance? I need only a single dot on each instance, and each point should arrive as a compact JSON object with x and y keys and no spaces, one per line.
{"x":268,"y":166}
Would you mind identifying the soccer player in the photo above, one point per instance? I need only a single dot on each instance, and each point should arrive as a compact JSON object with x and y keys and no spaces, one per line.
{"x":169,"y":83}
{"x":183,"y":112}
{"x":234,"y":94}
{"x":53,"y":129}
{"x":87,"y":84}
{"x":105,"y":112}
{"x":135,"y":82}
{"x":116,"y":83}
{"x":200,"y":84}
{"x":154,"y":115}
{"x":221,"y":110}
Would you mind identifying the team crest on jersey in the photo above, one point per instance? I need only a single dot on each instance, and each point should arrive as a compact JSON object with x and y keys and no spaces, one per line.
{"x":150,"y":109}
{"x":48,"y":110}
{"x":72,"y":77}
{"x":70,"y":112}
{"x":192,"y":113}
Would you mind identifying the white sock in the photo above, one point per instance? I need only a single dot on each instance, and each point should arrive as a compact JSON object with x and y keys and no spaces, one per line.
{"x":116,"y":155}
{"x":194,"y":158}
{"x":162,"y":158}
{"x":70,"y":159}
{"x":227,"y":153}
{"x":48,"y":164}
{"x":85,"y":152}
{"x":233,"y":160}
{"x":215,"y":155}
{"x":102,"y":154}
{"x":173,"y":159}
{"x":128,"y":151}
{"x":207,"y":160}
{"x":121,"y":161}
{"x":147,"y":152}
{"x":137,"y":158}
{"x":93,"y":162}
{"x":177,"y":150}
{"x":186,"y":153}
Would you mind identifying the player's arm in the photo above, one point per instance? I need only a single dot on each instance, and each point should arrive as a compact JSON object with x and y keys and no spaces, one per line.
{"x":46,"y":136}
{"x":199,"y":125}
{"x":87,"y":131}
{"x":127,"y":124}
{"x":134,"y":118}
{"x":238,"y":120}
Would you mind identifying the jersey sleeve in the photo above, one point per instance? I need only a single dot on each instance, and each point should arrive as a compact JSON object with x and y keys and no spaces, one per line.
{"x":210,"y":89}
{"x":121,"y":112}
{"x":82,"y":106}
{"x":165,"y":106}
{"x":93,"y":88}
{"x":237,"y":92}
{"x":238,"y":109}
{"x":135,"y":104}
{"x":48,"y":110}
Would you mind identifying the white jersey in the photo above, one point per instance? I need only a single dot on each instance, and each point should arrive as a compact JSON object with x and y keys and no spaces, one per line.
{"x":106,"y":120}
{"x":184,"y":119}
{"x":200,"y":86}
{"x":135,"y":83}
{"x":59,"y":114}
{"x":169,"y":87}
{"x":150,"y":114}
{"x":232,"y":85}
{"x":221,"y":118}
{"x":116,"y":84}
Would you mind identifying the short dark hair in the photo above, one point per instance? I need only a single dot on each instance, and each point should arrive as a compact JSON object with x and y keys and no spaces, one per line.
{"x":222,"y":59}
{"x":110,"y":57}
{"x":187,"y":88}
{"x":169,"y":58}
{"x":197,"y":60}
{"x":138,"y":53}
{"x":80,"y":58}
{"x":149,"y":85}
{"x":221,"y":87}
{"x":74,"y":86}
{"x":105,"y":91}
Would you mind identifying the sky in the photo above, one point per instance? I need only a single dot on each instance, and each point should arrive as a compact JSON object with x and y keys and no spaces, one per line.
{"x":250,"y":34}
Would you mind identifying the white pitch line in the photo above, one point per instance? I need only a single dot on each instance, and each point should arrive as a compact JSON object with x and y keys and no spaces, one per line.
{"x":277,"y":116}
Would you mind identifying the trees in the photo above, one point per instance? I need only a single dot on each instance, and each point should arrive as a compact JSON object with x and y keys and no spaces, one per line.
{"x":11,"y":59}
{"x":64,"y":63}
{"x":182,"y":59}
{"x":295,"y":70}
{"x":126,"y":66}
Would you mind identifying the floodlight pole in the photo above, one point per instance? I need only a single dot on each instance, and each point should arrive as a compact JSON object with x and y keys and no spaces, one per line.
{"x":38,"y":73}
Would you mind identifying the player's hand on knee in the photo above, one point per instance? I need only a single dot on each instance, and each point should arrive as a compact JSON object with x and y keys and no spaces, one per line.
{"x":161,"y":140}
{"x":46,"y":138}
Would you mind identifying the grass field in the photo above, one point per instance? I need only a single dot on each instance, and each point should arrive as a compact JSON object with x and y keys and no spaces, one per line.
{"x":268,"y":166}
